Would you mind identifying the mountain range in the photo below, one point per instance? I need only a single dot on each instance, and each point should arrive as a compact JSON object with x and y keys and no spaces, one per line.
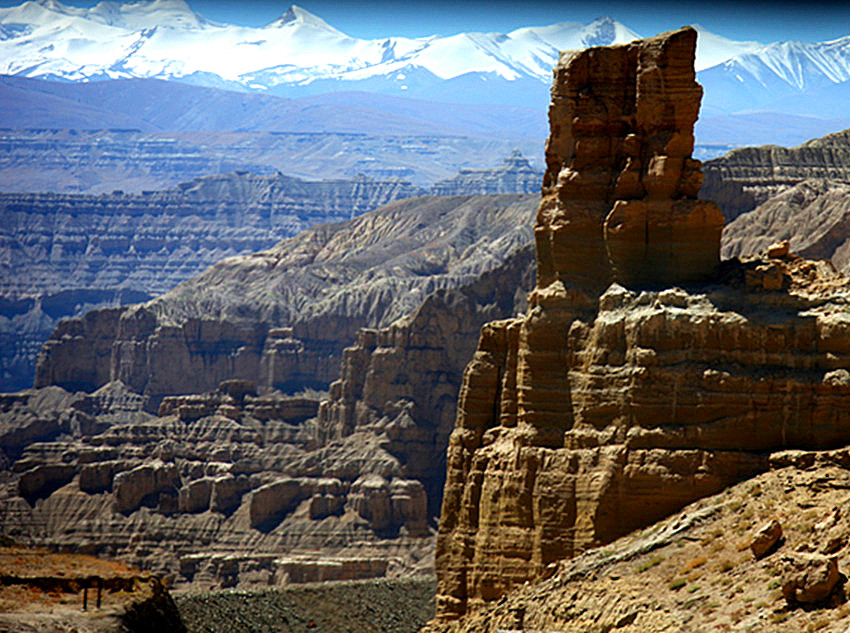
{"x":755,"y":93}
{"x":299,"y":53}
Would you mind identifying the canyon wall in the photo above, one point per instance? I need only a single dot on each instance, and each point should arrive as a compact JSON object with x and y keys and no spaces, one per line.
{"x":282,"y":317}
{"x":745,"y":178}
{"x":403,"y":380}
{"x":64,"y":254}
{"x":644,"y":374}
{"x":232,"y":488}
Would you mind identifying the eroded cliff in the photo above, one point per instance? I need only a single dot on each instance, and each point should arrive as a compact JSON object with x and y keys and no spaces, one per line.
{"x":745,"y":178}
{"x":65,"y":254}
{"x":282,"y":317}
{"x":644,"y":374}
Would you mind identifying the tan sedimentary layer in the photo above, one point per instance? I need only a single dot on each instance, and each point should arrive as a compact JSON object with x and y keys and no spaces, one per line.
{"x":608,"y":406}
{"x":282,"y":317}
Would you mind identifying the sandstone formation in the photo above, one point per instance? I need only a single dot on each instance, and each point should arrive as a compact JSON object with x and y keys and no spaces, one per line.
{"x":227,"y":488}
{"x":644,"y":374}
{"x":153,"y":240}
{"x":692,"y":572}
{"x":619,"y":195}
{"x":813,"y":216}
{"x":363,"y":482}
{"x":65,"y":254}
{"x":514,"y":175}
{"x":403,"y":380}
{"x":281,"y":318}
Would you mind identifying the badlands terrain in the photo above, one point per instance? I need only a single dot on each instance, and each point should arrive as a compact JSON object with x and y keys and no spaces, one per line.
{"x":635,"y":414}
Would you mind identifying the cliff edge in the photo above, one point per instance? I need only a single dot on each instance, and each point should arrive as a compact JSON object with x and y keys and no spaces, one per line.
{"x":645,"y":374}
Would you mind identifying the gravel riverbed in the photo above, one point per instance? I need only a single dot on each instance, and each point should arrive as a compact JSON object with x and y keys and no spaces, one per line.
{"x":367,"y":606}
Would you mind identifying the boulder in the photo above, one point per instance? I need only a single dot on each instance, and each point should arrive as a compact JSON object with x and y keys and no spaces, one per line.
{"x":766,"y":538}
{"x":808,"y":578}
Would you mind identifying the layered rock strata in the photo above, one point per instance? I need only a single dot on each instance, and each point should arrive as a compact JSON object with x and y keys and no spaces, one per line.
{"x":64,"y":254}
{"x":402,"y":381}
{"x":514,"y":175}
{"x":608,"y":406}
{"x":282,"y":317}
{"x":813,"y":216}
{"x":692,"y":571}
{"x":221,"y":489}
{"x":745,"y":178}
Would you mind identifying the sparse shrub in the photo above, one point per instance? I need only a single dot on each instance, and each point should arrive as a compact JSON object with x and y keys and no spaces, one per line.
{"x":657,"y":560}
{"x":693,"y":564}
{"x":725,"y":565}
{"x":678,"y":584}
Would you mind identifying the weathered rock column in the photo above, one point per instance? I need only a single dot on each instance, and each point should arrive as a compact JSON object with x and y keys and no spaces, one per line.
{"x":620,"y":190}
{"x":608,"y":406}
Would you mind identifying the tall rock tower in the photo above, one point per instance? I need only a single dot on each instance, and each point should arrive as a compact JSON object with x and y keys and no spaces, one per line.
{"x":644,"y":375}
{"x":620,"y":190}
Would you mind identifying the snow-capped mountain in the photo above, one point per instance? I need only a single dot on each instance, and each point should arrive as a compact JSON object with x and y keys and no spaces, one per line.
{"x":773,"y":77}
{"x":299,"y":53}
{"x":166,"y":39}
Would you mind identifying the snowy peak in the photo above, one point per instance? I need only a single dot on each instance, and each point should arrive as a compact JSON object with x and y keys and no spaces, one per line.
{"x":298,"y":16}
{"x":713,"y":49}
{"x":299,"y":53}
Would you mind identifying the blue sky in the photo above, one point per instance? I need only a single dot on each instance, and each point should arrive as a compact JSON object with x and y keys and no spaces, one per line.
{"x":763,"y":21}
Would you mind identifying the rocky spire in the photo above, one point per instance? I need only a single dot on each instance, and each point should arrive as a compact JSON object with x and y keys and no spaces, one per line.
{"x":620,"y":191}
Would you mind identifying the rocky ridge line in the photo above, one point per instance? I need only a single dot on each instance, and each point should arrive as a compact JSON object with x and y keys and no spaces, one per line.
{"x":282,"y":317}
{"x":745,"y":178}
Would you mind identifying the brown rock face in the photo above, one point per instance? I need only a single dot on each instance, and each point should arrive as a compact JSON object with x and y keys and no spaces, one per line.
{"x":619,"y":195}
{"x":609,"y":406}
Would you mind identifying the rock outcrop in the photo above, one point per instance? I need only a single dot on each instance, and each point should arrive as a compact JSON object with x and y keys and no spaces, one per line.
{"x":403,"y":381}
{"x":693,"y":571}
{"x":514,"y":175}
{"x":813,"y":216}
{"x":745,"y":178}
{"x":644,"y":374}
{"x":281,"y":318}
{"x":227,"y":488}
{"x":65,"y":254}
{"x":53,"y":592}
